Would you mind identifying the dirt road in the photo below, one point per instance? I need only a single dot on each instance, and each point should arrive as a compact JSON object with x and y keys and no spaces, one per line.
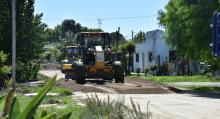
{"x":164,"y":104}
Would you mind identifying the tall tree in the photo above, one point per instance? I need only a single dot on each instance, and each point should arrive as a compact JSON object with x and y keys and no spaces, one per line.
{"x":130,"y":48}
{"x":114,"y":37}
{"x":30,"y":29}
{"x":54,"y":35}
{"x":70,"y":26}
{"x":139,"y":37}
{"x":187,"y":25}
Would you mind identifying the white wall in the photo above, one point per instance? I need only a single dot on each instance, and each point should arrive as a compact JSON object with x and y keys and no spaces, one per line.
{"x":158,"y":48}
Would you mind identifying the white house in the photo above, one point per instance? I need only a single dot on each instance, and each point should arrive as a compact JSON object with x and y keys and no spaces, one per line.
{"x":153,"y":50}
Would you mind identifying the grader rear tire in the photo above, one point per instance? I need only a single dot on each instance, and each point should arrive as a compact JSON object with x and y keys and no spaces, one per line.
{"x":118,"y":72}
{"x":79,"y":72}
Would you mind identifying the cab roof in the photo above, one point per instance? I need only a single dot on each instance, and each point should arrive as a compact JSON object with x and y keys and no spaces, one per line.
{"x":92,"y":34}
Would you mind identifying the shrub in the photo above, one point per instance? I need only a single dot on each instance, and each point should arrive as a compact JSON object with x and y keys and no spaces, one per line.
{"x":153,"y":68}
{"x":27,"y":71}
{"x":163,"y":70}
{"x":138,"y":71}
{"x":4,"y":70}
{"x":146,"y":71}
{"x":52,"y":54}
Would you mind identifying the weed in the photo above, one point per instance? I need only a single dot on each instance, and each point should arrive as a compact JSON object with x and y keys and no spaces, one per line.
{"x":110,"y":109}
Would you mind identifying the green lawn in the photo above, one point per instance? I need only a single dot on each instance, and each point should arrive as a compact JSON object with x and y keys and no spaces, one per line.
{"x":170,"y":79}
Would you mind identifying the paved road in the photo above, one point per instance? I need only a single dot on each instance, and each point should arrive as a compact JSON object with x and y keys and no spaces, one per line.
{"x":164,"y":106}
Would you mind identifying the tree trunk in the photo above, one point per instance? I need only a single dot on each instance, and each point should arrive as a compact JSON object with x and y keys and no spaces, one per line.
{"x":129,"y":64}
{"x":124,"y":62}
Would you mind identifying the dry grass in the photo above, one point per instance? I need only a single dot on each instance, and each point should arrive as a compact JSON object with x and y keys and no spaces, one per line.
{"x":110,"y":109}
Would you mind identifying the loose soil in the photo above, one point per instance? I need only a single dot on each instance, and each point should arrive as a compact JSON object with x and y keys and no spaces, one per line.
{"x":132,"y":85}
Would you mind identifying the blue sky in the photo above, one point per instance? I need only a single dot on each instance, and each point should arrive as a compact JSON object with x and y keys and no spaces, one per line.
{"x":86,"y":12}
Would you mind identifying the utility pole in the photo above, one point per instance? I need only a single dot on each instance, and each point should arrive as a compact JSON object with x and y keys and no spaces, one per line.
{"x":118,"y":37}
{"x":99,"y":23}
{"x":132,"y":35}
{"x":13,"y":44}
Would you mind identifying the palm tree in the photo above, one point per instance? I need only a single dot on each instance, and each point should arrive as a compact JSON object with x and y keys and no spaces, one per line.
{"x":130,"y":48}
{"x":123,"y":56}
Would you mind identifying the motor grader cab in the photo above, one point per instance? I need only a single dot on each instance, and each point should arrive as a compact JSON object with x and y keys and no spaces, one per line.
{"x":95,"y":59}
{"x":72,"y":53}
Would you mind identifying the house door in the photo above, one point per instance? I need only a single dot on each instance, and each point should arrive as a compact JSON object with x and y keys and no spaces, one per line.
{"x":143,"y":61}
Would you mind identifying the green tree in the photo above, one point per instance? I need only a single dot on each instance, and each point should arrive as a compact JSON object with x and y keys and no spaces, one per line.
{"x":30,"y":29}
{"x":139,"y":37}
{"x":123,"y":51}
{"x":187,"y":25}
{"x":114,"y":37}
{"x":31,"y":35}
{"x":130,"y":48}
{"x":4,"y":69}
{"x":70,"y":26}
{"x":54,"y":35}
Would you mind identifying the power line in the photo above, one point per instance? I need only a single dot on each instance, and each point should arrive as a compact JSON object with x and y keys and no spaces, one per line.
{"x":135,"y":17}
{"x":100,"y":19}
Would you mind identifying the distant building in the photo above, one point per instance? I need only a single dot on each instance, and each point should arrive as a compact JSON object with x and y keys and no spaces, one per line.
{"x":154,"y":50}
{"x":51,"y":46}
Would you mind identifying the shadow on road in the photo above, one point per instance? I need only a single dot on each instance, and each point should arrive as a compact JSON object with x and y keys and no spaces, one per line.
{"x":208,"y":95}
{"x":97,"y":81}
{"x":202,"y":94}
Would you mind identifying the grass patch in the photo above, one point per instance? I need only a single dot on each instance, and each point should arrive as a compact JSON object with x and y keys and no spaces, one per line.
{"x":201,"y":88}
{"x":33,"y":89}
{"x":170,"y":79}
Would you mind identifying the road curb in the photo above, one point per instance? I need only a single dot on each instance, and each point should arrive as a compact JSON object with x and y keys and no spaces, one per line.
{"x":182,"y":90}
{"x":177,"y":90}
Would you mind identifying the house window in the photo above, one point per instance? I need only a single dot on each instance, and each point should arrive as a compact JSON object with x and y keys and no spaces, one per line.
{"x":137,"y":57}
{"x":150,"y":56}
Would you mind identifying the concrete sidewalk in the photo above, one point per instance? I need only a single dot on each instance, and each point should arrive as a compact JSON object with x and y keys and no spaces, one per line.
{"x":208,"y":84}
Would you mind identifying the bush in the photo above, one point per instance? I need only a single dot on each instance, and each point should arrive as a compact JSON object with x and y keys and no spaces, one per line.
{"x":4,"y":70}
{"x":52,"y":55}
{"x":138,"y":70}
{"x":146,"y":71}
{"x":27,"y":71}
{"x":163,"y":70}
{"x":153,"y":68}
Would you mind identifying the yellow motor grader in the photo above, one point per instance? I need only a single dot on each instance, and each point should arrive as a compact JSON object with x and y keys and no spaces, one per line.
{"x":92,"y":58}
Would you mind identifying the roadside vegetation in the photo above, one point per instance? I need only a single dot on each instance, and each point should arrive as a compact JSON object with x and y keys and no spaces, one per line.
{"x":111,"y":109}
{"x":170,"y":79}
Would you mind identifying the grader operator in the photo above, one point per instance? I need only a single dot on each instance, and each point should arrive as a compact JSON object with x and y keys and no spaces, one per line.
{"x":92,"y":58}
